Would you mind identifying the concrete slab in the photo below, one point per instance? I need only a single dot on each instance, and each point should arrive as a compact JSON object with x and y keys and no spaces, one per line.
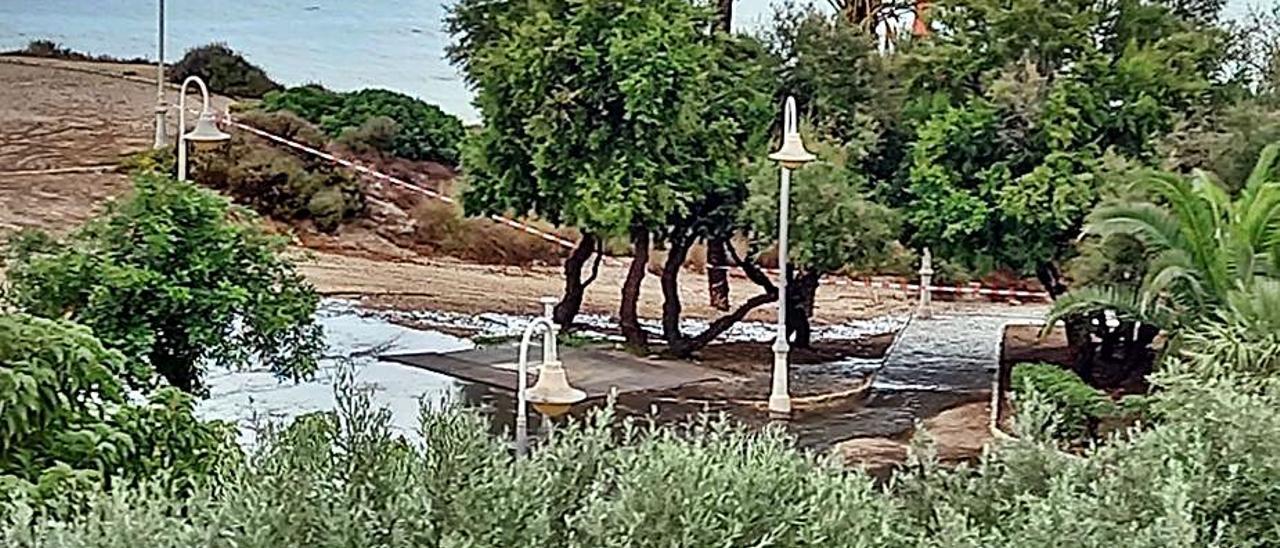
{"x":593,"y":370}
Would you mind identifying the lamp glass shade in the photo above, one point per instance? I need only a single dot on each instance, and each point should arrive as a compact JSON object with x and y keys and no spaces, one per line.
{"x":792,"y":155}
{"x":206,"y":131}
{"x":552,"y":390}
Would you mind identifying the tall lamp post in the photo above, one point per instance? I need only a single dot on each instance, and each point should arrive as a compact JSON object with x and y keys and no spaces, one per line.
{"x":206,"y":130}
{"x":791,"y":156}
{"x":551,"y":395}
{"x":162,"y":138}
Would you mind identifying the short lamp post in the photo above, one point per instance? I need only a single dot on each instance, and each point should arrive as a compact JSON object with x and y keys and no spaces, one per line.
{"x":925,"y":311}
{"x":551,"y":395}
{"x":791,"y":156}
{"x":205,"y":132}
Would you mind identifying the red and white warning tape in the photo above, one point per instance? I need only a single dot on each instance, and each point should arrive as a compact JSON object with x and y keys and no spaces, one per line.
{"x":971,"y":289}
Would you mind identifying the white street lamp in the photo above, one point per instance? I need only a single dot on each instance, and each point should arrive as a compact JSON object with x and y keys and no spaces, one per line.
{"x":162,"y":138}
{"x":792,"y":155}
{"x":206,"y":130}
{"x":551,"y":395}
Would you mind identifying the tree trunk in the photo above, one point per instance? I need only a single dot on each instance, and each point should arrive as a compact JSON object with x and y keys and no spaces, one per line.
{"x":718,"y":274}
{"x":629,"y":320}
{"x":724,"y":13}
{"x":1079,"y":333}
{"x":671,"y":307}
{"x":800,"y":308}
{"x":688,"y":345}
{"x":574,"y":288}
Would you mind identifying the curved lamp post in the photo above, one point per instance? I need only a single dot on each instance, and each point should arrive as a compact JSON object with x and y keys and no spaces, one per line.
{"x":206,"y":130}
{"x":792,"y":155}
{"x":551,"y":395}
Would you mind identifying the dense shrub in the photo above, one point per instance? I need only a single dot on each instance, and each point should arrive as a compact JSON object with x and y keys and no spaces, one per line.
{"x":278,"y":183}
{"x":175,"y":277}
{"x":224,"y":71}
{"x":1077,"y":407}
{"x":421,"y":131}
{"x":67,"y":426}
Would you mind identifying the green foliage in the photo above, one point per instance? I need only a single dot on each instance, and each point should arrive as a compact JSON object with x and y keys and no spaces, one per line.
{"x":833,"y":224}
{"x":1076,"y":407}
{"x":175,"y":277}
{"x":1206,"y":475}
{"x":224,"y":71}
{"x":1209,"y":253}
{"x":1015,"y":108}
{"x":375,"y":118}
{"x":68,"y":428}
{"x":586,"y":126}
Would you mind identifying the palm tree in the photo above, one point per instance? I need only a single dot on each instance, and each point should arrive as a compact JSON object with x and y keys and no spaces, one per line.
{"x":1211,"y":255}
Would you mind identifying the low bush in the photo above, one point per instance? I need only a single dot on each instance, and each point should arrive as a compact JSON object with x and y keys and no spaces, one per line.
{"x":224,"y":71}
{"x":1077,"y":407}
{"x":1206,"y":476}
{"x":441,"y":228}
{"x":420,"y":131}
{"x":52,"y":50}
{"x":279,"y":184}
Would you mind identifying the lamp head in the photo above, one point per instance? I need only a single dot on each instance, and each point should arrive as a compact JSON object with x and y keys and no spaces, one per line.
{"x":552,"y":395}
{"x":793,"y":154}
{"x":206,"y":132}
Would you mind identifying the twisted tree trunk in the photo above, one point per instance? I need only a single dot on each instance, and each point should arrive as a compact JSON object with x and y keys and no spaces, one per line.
{"x":800,"y":308}
{"x":574,"y":286}
{"x":628,"y":314}
{"x":718,"y":274}
{"x":671,"y":306}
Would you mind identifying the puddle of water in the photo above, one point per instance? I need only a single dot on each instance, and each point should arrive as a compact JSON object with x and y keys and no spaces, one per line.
{"x":891,"y":408}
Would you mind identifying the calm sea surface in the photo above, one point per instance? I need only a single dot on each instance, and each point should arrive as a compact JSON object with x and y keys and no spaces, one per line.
{"x":343,"y":44}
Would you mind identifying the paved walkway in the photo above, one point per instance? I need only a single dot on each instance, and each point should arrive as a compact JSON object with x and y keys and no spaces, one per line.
{"x":951,"y":353}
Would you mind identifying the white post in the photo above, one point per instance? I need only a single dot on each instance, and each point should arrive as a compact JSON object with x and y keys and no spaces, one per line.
{"x":925,"y":310}
{"x":522,"y":383}
{"x":161,"y":138}
{"x":780,"y":396}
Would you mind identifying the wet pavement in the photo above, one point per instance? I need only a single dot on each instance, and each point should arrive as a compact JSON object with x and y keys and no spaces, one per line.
{"x":934,"y":365}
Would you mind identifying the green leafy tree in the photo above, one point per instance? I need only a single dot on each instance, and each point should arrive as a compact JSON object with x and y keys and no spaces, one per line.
{"x":68,"y":426}
{"x":1016,"y":105}
{"x":175,"y":277}
{"x":611,"y":117}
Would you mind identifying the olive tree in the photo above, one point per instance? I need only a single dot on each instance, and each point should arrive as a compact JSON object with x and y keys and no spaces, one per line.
{"x":618,"y":118}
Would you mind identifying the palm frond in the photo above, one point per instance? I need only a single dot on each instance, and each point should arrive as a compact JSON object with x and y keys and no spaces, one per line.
{"x":1265,"y":169}
{"x":1151,"y":224}
{"x":1125,"y":302}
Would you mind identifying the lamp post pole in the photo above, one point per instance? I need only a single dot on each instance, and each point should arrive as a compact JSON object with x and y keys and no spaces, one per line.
{"x":791,"y":156}
{"x":552,"y":394}
{"x":161,"y":137}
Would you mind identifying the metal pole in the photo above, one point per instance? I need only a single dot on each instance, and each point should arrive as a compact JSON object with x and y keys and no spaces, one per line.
{"x":182,"y":120}
{"x":522,"y":382}
{"x":925,"y":310}
{"x":161,"y":138}
{"x":780,"y":396}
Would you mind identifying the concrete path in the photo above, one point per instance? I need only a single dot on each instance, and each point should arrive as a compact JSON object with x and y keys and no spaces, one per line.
{"x":951,"y":353}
